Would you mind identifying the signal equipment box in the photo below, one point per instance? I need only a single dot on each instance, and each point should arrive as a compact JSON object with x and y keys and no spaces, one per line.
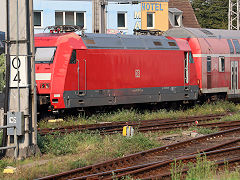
{"x":15,"y":119}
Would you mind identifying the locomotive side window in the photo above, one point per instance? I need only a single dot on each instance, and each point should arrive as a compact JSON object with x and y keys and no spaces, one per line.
{"x":190,"y":58}
{"x":209,"y":64}
{"x":45,"y":54}
{"x":237,"y":46}
{"x":73,"y":57}
{"x":157,"y":43}
{"x":221,"y":64}
{"x":172,"y":44}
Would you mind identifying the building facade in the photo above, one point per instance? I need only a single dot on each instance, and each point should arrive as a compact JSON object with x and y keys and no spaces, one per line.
{"x":112,"y":16}
{"x":3,"y":15}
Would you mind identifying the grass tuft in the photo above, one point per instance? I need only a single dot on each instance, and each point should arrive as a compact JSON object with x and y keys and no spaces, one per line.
{"x":134,"y":115}
{"x":202,"y":169}
{"x":203,"y":130}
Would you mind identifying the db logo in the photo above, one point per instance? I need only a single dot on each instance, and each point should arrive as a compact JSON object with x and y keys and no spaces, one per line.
{"x":137,"y":73}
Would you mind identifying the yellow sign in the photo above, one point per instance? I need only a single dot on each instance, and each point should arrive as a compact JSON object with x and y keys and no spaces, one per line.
{"x":154,"y":15}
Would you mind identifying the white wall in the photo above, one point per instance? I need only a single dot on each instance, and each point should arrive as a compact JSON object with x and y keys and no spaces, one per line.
{"x":3,"y":15}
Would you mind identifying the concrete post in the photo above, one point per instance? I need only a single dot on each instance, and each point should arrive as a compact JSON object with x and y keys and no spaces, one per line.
{"x":20,"y":48}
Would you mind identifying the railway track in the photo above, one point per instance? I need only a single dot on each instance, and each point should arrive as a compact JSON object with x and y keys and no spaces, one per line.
{"x":139,"y":165}
{"x":144,"y":125}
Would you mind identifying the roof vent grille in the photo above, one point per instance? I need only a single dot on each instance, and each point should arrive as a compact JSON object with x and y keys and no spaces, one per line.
{"x":206,"y":32}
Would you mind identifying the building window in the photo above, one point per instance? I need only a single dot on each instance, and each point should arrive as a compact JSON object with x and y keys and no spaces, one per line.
{"x":38,"y":19}
{"x":58,"y":18}
{"x":177,"y":20}
{"x":175,"y":17}
{"x":122,"y":20}
{"x":70,"y":18}
{"x":221,"y":64}
{"x":80,"y":19}
{"x":209,"y":66}
{"x":150,"y":20}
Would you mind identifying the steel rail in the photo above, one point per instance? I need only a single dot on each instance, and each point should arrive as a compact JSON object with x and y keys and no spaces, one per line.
{"x":137,"y":158}
{"x":218,"y":163}
{"x":129,"y":169}
{"x":113,"y":127}
{"x":153,"y":127}
{"x":166,"y":165}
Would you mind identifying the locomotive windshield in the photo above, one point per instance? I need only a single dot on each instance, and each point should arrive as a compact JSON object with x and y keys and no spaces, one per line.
{"x":45,"y":54}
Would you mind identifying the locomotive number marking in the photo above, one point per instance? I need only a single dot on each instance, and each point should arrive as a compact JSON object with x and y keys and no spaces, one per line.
{"x":18,"y":73}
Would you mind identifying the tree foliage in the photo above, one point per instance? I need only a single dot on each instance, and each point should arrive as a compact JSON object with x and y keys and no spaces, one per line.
{"x":2,"y":71}
{"x":212,"y":14}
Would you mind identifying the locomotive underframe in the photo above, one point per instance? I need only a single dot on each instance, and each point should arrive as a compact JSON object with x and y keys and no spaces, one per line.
{"x":129,"y":96}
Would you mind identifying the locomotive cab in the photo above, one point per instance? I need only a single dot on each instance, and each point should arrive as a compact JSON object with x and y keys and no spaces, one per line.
{"x":52,"y":60}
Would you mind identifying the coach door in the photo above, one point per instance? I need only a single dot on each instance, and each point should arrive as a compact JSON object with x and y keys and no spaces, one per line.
{"x":234,"y":76}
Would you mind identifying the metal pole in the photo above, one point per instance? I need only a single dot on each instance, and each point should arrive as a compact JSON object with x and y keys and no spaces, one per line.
{"x":17,"y":57}
{"x":229,"y":14}
{"x":33,"y":82}
{"x":233,"y":15}
{"x":6,"y":100}
{"x":102,"y":16}
{"x":238,"y":15}
{"x":15,"y":143}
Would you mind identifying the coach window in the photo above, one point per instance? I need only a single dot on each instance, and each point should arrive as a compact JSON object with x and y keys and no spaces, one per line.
{"x":73,"y":57}
{"x":122,"y":20}
{"x":221,"y":64}
{"x":237,"y":46}
{"x":209,"y":64}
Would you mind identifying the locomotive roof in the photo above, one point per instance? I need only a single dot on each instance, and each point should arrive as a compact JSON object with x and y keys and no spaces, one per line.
{"x":202,"y":33}
{"x":115,"y":41}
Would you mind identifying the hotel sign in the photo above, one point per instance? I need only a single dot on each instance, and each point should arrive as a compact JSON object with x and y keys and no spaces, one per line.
{"x":151,"y":6}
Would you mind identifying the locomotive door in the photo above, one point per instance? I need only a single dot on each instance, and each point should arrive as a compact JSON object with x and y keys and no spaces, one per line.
{"x":186,"y":69}
{"x":82,"y":73}
{"x":234,"y":76}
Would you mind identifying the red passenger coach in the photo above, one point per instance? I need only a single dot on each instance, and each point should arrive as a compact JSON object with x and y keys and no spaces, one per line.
{"x":216,"y":57}
{"x":101,"y":69}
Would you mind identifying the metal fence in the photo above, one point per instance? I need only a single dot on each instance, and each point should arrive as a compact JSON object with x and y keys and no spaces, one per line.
{"x":15,"y":140}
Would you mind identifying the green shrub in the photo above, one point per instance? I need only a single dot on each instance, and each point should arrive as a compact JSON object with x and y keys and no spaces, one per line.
{"x":64,"y":144}
{"x":95,"y":146}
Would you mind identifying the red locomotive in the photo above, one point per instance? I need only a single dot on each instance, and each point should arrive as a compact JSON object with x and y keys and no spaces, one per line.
{"x":75,"y":71}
